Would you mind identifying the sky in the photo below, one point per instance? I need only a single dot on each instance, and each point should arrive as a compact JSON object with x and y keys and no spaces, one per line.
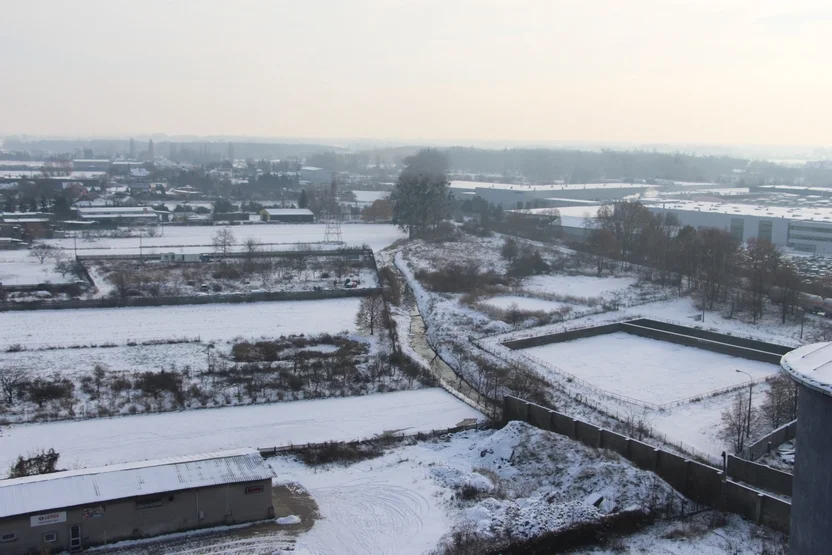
{"x":665,"y":71}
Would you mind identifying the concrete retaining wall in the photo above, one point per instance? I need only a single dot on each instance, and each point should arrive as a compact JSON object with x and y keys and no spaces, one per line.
{"x":662,"y":331}
{"x":712,"y":336}
{"x":775,"y":439}
{"x":699,"y":482}
{"x":700,"y":343}
{"x":563,"y":336}
{"x":760,"y":476}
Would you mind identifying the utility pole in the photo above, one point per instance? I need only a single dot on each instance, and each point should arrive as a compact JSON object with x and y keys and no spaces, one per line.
{"x":802,"y":319}
{"x":750,"y":390}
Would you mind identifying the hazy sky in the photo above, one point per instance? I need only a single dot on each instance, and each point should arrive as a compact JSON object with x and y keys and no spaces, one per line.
{"x":716,"y":71}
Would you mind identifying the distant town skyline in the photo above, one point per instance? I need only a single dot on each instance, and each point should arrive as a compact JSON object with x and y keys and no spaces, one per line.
{"x":735,"y":72}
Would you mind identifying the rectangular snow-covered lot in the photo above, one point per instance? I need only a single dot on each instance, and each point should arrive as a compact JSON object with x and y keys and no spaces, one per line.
{"x":130,"y":438}
{"x":198,"y":238}
{"x":210,"y":322}
{"x":647,"y":369}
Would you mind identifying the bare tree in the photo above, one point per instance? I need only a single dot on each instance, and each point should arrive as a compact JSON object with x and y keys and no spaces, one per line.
{"x":735,"y":422}
{"x":12,"y":381}
{"x":122,"y":282}
{"x":223,"y":241}
{"x":780,"y":405}
{"x":513,"y":314}
{"x":41,"y":251}
{"x":370,"y":313}
{"x":251,"y":246}
{"x":152,"y":230}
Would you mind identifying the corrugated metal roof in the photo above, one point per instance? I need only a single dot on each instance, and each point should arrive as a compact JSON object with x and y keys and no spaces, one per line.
{"x":288,"y":212}
{"x":89,"y":486}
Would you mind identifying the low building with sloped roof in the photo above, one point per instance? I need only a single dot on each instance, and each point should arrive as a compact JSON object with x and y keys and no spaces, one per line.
{"x":76,"y":509}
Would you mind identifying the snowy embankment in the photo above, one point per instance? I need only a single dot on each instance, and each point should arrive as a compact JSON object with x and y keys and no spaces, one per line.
{"x":506,"y":302}
{"x":18,"y":268}
{"x":104,"y":441}
{"x":210,"y":322}
{"x":519,"y":480}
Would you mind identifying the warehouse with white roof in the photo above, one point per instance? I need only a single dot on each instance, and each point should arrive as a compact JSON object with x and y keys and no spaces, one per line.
{"x":76,"y":509}
{"x":804,"y":229}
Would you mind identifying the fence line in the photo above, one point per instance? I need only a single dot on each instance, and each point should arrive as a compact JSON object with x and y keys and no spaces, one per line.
{"x":704,"y":484}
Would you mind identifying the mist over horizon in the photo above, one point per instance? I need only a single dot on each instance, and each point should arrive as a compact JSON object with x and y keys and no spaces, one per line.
{"x":598,"y":74}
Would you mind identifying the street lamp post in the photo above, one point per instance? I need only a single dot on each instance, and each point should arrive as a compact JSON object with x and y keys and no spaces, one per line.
{"x":750,"y":390}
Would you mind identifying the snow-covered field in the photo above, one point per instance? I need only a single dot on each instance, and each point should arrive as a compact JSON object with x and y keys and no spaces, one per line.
{"x":100,"y":441}
{"x":579,"y":286}
{"x":18,"y":268}
{"x":504,"y":302}
{"x":649,"y":370}
{"x":184,"y":239}
{"x":697,"y":424}
{"x":73,"y":363}
{"x":39,"y":328}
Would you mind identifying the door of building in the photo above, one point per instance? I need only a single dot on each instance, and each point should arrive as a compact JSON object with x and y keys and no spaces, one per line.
{"x":75,"y":537}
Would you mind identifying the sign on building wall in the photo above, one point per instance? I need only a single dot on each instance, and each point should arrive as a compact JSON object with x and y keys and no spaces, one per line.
{"x":93,"y":512}
{"x":48,"y":518}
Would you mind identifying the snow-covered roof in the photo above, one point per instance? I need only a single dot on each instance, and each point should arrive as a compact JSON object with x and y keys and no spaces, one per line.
{"x":811,"y":365}
{"x":288,"y":211}
{"x":810,"y":213}
{"x":113,"y":209}
{"x":47,"y":492}
{"x":311,"y":169}
{"x":554,"y":187}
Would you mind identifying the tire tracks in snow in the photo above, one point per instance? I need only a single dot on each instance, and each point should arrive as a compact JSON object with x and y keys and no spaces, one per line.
{"x":365,"y":518}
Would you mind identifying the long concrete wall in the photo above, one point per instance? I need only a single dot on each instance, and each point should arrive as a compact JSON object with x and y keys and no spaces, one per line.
{"x":208,"y":299}
{"x":726,"y":346}
{"x":662,"y":331}
{"x":569,"y":335}
{"x":712,"y":336}
{"x":699,"y":482}
{"x":775,"y":439}
{"x":759,"y":475}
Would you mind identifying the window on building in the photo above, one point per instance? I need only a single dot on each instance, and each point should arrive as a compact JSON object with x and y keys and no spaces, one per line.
{"x":6,"y":538}
{"x":148,"y":502}
{"x":254,"y":489}
{"x":737,"y":229}
{"x":50,"y":537}
{"x":764,"y":231}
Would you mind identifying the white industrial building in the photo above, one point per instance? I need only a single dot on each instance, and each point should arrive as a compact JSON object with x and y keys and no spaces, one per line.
{"x":315,"y":176}
{"x":512,"y":196}
{"x":802,"y":229}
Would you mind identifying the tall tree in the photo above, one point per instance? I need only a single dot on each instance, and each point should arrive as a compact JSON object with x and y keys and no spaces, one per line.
{"x":421,"y":198}
{"x":370,"y":313}
{"x":303,"y":200}
{"x":223,"y":241}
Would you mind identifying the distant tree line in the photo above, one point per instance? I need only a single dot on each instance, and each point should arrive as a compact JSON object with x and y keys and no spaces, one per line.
{"x":580,"y":166}
{"x":709,"y":261}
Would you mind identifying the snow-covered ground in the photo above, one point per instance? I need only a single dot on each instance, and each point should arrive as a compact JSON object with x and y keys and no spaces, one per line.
{"x":504,"y":302}
{"x":18,"y":268}
{"x":208,"y":322}
{"x":72,"y":363}
{"x":697,"y":424}
{"x":697,"y":536}
{"x":370,"y":196}
{"x":97,"y":442}
{"x":526,"y":480}
{"x":579,"y":286}
{"x":197,"y":239}
{"x":646,"y":369}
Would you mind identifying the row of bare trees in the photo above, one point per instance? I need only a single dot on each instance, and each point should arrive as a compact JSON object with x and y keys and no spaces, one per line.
{"x":710,"y":261}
